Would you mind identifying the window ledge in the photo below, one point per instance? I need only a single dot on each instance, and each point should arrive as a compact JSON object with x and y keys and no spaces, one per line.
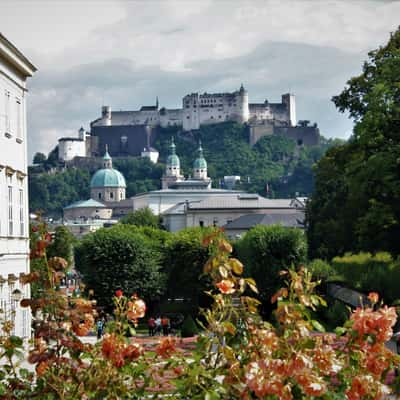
{"x":7,"y":135}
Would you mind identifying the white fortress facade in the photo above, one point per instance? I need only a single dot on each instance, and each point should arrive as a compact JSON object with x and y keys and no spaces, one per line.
{"x":207,"y":108}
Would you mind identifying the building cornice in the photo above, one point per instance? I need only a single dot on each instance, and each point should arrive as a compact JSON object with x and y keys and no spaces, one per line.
{"x":16,"y":58}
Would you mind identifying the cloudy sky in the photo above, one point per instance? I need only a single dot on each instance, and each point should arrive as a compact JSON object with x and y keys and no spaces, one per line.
{"x":124,"y":53}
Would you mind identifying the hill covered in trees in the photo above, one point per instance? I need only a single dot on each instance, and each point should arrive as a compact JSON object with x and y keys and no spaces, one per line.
{"x":274,"y":160}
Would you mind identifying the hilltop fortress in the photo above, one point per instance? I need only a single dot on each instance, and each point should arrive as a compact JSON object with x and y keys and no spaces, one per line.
{"x":133,"y":132}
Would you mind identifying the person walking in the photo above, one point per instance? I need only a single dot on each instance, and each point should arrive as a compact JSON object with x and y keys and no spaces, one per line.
{"x":165,"y":325}
{"x":100,"y":328}
{"x":151,"y":324}
{"x":158,"y":325}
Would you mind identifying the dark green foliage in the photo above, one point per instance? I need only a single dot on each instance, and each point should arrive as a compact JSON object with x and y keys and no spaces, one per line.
{"x":52,"y":192}
{"x":266,"y":250}
{"x":335,"y":314}
{"x":142,"y":217}
{"x":120,"y":258}
{"x":185,"y":257}
{"x":61,"y":245}
{"x":356,"y":204}
{"x":39,"y":158}
{"x":189,"y":327}
{"x":141,"y":174}
{"x":321,"y":270}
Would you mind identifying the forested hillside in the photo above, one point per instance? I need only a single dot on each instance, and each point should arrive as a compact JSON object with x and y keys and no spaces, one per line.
{"x":274,"y":161}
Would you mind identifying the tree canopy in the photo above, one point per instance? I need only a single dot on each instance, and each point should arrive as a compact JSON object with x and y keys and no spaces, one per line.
{"x":120,"y":258}
{"x":356,"y":204}
{"x":142,"y":217}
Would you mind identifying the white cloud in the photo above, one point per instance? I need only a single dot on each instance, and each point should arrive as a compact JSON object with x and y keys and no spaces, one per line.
{"x":124,"y":53}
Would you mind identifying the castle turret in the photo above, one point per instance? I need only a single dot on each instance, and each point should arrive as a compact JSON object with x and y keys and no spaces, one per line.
{"x":290,"y":102}
{"x":243,"y":103}
{"x":200,"y":165}
{"x":106,"y":115}
{"x":82,"y":133}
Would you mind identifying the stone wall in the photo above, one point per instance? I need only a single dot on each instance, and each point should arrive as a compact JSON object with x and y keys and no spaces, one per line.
{"x":128,"y":140}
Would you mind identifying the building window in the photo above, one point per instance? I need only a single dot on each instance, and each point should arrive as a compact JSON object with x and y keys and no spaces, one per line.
{"x":201,"y":224}
{"x":10,"y":211}
{"x":21,"y":213}
{"x":111,"y":195}
{"x":18,"y":120}
{"x":7,"y":112}
{"x":99,"y":195}
{"x":215,"y":222}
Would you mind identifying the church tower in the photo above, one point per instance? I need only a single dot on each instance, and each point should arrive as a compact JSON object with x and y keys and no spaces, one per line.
{"x":172,"y":169}
{"x":200,"y":165}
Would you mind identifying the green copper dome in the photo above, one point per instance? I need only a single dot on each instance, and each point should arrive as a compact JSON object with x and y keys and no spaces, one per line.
{"x":108,"y":177}
{"x":200,"y":162}
{"x":173,"y":159}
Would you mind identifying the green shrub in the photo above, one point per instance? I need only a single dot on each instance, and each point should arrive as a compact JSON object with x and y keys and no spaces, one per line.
{"x":265,"y":250}
{"x":366,"y":272}
{"x":189,"y":327}
{"x":321,"y":270}
{"x":336,"y":314}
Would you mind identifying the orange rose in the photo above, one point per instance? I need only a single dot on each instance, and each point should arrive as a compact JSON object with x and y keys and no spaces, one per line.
{"x":226,"y":286}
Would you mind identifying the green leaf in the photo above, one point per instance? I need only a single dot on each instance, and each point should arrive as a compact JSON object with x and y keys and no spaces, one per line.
{"x":316,"y":325}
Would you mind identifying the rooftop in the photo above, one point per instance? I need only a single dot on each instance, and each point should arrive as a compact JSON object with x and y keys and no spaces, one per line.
{"x":241,"y":201}
{"x":86,"y":204}
{"x":245,"y":222}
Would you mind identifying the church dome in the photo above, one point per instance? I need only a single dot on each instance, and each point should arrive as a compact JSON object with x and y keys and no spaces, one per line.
{"x":200,"y":162}
{"x":108,"y":177}
{"x":173,"y":159}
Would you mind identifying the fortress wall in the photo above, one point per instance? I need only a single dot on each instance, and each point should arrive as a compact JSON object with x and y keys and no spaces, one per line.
{"x":256,"y":132}
{"x":308,"y":135}
{"x":123,"y":140}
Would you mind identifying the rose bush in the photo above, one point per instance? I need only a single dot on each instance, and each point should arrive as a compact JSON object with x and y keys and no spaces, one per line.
{"x":238,"y":355}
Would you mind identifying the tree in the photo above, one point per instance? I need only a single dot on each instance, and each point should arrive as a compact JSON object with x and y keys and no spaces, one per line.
{"x":369,"y":210}
{"x":266,"y":250}
{"x":39,"y":158}
{"x":120,"y":258}
{"x":185,"y":257}
{"x":142,"y":217}
{"x":62,"y":243}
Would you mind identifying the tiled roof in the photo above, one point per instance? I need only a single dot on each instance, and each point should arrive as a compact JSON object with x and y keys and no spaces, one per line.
{"x":241,"y":201}
{"x":294,"y":220}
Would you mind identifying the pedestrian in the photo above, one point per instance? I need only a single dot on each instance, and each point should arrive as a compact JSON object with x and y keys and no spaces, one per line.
{"x":158,"y":325}
{"x":100,"y":328}
{"x":151,"y":324}
{"x":165,"y":325}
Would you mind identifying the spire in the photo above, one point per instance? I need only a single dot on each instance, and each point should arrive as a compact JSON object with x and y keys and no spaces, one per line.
{"x":200,"y":150}
{"x":157,"y":102}
{"x":107,"y":160}
{"x":172,"y":146}
{"x":241,"y":88}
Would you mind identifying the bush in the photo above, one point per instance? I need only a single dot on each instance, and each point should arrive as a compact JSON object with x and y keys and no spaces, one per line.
{"x":120,"y":258}
{"x":189,"y":327}
{"x":366,"y":272}
{"x":321,"y":270}
{"x":266,"y":250}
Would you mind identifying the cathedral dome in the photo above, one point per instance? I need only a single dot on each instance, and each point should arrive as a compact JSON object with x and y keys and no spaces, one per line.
{"x":108,"y":177}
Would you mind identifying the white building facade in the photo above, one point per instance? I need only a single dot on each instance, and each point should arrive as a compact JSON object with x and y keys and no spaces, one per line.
{"x":15,"y":68}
